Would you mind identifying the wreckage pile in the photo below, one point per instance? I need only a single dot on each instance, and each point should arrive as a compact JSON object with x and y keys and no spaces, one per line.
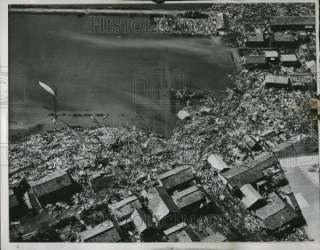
{"x":132,"y":159}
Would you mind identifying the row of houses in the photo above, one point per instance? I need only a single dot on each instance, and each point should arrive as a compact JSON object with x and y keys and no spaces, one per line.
{"x":254,"y":183}
{"x":292,"y":81}
{"x":158,"y":212}
{"x":269,"y":58}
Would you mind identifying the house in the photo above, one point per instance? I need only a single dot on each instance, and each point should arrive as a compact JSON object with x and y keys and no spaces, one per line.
{"x":251,"y":142}
{"x":104,"y":232}
{"x":190,"y":199}
{"x":258,"y":61}
{"x":286,"y":193}
{"x":251,"y":197}
{"x":255,"y":40}
{"x":123,"y":209}
{"x":55,"y":186}
{"x":271,"y":56}
{"x":289,"y":60}
{"x":177,"y":178}
{"x":163,"y":208}
{"x":220,"y":22}
{"x":217,"y":163}
{"x":249,"y":172}
{"x":144,"y":224}
{"x":276,"y":81}
{"x":276,"y":213}
{"x":284,"y":39}
{"x":181,"y":233}
{"x":280,"y":23}
{"x":302,"y":81}
{"x":295,"y":146}
{"x":101,"y":180}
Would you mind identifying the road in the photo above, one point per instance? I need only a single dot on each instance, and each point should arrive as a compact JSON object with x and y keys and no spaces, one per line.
{"x":305,"y":185}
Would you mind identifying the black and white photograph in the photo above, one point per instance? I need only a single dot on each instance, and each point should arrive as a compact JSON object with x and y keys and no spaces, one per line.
{"x":162,"y":121}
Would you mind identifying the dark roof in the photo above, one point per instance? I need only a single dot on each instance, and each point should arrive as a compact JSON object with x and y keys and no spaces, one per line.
{"x":250,"y":171}
{"x":276,"y":213}
{"x":188,"y":197}
{"x":292,"y":20}
{"x":13,"y":202}
{"x":105,"y":227}
{"x":177,"y":176}
{"x":274,"y":79}
{"x":255,"y":59}
{"x":50,"y":183}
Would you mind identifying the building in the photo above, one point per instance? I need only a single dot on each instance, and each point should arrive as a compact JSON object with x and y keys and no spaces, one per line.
{"x":311,"y":67}
{"x":251,"y":198}
{"x":256,"y":40}
{"x":289,"y":60}
{"x":178,"y":178}
{"x":190,"y":199}
{"x":181,"y":233}
{"x":55,"y":186}
{"x":163,"y":208}
{"x":220,"y":22}
{"x":271,"y":56}
{"x":280,"y":23}
{"x":104,"y":232}
{"x":217,"y":163}
{"x":276,"y":213}
{"x":274,"y":81}
{"x":144,"y":224}
{"x":123,"y":209}
{"x":302,"y":81}
{"x":284,"y":39}
{"x":251,"y":142}
{"x":101,"y":180}
{"x":249,"y":172}
{"x":258,"y":61}
{"x":268,"y":134}
{"x":295,"y":146}
{"x":286,"y":193}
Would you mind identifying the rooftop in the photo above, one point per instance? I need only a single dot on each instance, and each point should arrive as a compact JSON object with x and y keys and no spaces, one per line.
{"x":276,"y":79}
{"x":293,"y":20}
{"x":288,"y":58}
{"x":188,"y":197}
{"x":99,"y":229}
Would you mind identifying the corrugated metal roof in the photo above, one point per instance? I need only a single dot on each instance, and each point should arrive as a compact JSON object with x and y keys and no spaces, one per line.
{"x":176,"y":176}
{"x":175,"y":228}
{"x":271,"y":54}
{"x":106,"y":226}
{"x":255,"y":59}
{"x":292,"y":20}
{"x":276,"y":213}
{"x":288,"y":58}
{"x":276,"y":79}
{"x":50,"y":183}
{"x":188,"y":197}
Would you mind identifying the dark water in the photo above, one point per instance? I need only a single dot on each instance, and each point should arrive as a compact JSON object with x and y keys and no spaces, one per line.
{"x":124,"y":72}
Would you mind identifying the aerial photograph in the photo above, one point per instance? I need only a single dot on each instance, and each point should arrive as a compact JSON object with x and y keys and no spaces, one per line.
{"x":163,"y":121}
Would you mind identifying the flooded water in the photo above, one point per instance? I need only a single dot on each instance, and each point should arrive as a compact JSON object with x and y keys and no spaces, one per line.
{"x":125,"y":73}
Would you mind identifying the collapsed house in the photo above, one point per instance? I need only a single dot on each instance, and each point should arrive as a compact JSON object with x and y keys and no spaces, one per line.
{"x":283,"y":39}
{"x":101,"y":180}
